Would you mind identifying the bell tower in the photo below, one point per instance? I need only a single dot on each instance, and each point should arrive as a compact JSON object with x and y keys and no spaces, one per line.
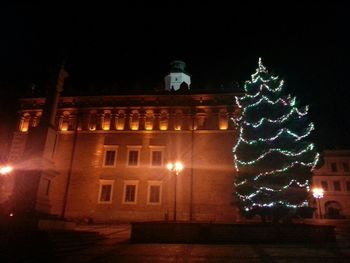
{"x":177,"y":76}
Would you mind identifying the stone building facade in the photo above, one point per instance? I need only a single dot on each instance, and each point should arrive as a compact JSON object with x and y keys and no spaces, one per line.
{"x":334,"y":178}
{"x":104,"y":157}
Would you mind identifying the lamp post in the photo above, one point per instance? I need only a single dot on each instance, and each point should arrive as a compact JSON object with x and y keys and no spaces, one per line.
{"x":176,"y":167}
{"x":318,"y":193}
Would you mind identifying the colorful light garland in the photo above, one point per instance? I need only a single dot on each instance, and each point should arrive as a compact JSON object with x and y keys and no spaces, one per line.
{"x":278,"y":150}
{"x":278,"y":134}
{"x":261,"y":75}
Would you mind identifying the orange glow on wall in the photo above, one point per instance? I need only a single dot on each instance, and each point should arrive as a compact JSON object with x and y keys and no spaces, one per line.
{"x":163,"y":122}
{"x":134,"y":121}
{"x":178,"y":121}
{"x":223,"y":121}
{"x":148,"y":126}
{"x":64,"y":126}
{"x":120,"y":121}
{"x":120,"y":124}
{"x":163,"y":126}
{"x":106,"y":124}
{"x":134,"y":126}
{"x":149,"y":121}
{"x":106,"y":120}
{"x":24,"y":125}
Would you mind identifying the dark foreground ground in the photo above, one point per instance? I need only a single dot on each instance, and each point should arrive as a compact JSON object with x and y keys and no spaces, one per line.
{"x":113,"y":245}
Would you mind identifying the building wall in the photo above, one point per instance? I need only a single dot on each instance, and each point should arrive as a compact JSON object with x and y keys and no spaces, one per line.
{"x":211,"y":185}
{"x":334,"y":178}
{"x":88,"y":127}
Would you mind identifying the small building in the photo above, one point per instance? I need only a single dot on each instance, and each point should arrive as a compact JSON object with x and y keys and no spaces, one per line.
{"x":104,"y":157}
{"x":334,"y":178}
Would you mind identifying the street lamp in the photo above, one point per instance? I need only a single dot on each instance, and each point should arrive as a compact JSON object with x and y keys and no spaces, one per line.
{"x":5,"y":169}
{"x":318,"y":193}
{"x":176,"y":167}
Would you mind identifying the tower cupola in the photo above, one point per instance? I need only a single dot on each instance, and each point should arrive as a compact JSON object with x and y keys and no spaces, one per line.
{"x":177,"y":77}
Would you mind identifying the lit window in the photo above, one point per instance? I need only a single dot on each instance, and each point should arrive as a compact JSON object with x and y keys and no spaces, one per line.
{"x":346,"y":167}
{"x":24,"y":123}
{"x":334,"y":167}
{"x":133,"y":156}
{"x":110,"y":156}
{"x":154,"y":192}
{"x":106,"y":189}
{"x":130,"y":192}
{"x":336,"y":185}
{"x":324,"y":185}
{"x":92,"y":121}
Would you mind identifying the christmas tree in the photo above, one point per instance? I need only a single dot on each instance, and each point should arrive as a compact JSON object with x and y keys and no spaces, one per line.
{"x":272,"y":158}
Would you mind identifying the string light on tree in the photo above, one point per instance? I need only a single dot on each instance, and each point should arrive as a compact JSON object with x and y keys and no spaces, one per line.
{"x":272,"y":159}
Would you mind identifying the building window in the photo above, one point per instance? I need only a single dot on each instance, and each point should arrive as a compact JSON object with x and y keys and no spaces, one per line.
{"x":156,"y":158}
{"x":130,"y":192}
{"x":334,"y":167}
{"x":346,"y":167}
{"x":110,"y":156}
{"x":133,"y":156}
{"x":324,"y":185}
{"x":24,"y":123}
{"x":157,"y":155}
{"x":336,"y":185}
{"x":348,"y":186}
{"x":154,"y":192}
{"x":106,"y":190}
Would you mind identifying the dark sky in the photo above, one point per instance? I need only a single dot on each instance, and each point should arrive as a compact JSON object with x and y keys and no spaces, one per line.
{"x":131,"y":47}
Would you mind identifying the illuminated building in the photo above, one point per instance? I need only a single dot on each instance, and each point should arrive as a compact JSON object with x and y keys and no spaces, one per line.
{"x":105,"y":156}
{"x":334,"y":178}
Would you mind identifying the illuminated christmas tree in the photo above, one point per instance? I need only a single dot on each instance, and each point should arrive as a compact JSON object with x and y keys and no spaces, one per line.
{"x":272,"y":158}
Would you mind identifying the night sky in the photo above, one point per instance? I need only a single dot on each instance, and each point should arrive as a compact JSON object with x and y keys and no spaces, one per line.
{"x":113,"y":48}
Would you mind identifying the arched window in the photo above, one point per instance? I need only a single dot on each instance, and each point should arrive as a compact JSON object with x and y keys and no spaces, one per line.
{"x":106,"y":120}
{"x":163,"y":120}
{"x":36,"y":119}
{"x":134,"y":120}
{"x":178,"y":120}
{"x":64,"y":122}
{"x":92,"y":120}
{"x":149,"y":120}
{"x":24,"y":122}
{"x":223,"y":119}
{"x":120,"y":120}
